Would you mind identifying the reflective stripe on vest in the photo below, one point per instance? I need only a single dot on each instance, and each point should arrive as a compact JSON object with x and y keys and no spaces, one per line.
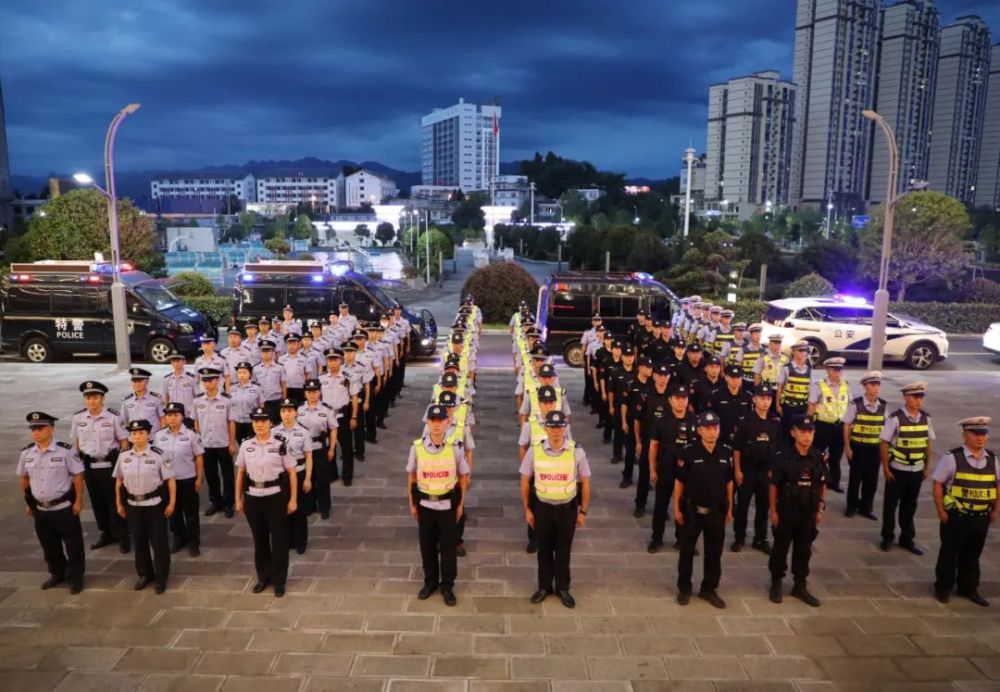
{"x":910,"y":445}
{"x":458,"y":434}
{"x":720,"y":339}
{"x":796,"y":387}
{"x":436,"y":471}
{"x":555,"y":476}
{"x":832,"y":408}
{"x":748,"y":362}
{"x":769,"y":370}
{"x":461,"y":414}
{"x":867,"y":427}
{"x":537,"y":431}
{"x":972,"y":490}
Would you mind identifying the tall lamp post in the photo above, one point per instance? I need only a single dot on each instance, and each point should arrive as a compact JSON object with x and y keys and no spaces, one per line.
{"x":118,"y":313}
{"x":689,"y":160}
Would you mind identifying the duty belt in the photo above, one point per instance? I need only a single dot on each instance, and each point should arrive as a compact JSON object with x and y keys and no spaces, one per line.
{"x":300,"y":464}
{"x":698,"y":509}
{"x":91,"y":462}
{"x":144,"y":496}
{"x":260,"y":485}
{"x":318,"y":438}
{"x":66,"y":497}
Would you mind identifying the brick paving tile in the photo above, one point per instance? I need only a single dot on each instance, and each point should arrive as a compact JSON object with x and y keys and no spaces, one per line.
{"x":29,"y":680}
{"x":152,"y":660}
{"x":418,"y":644}
{"x":481,"y":667}
{"x":169,"y":682}
{"x":627,"y":668}
{"x":781,"y":668}
{"x":268,"y":683}
{"x":312,"y":664}
{"x":99,"y":682}
{"x":705,"y":668}
{"x":524,"y":644}
{"x":556,"y":667}
{"x":82,"y":658}
{"x":368,"y":665}
{"x":226,"y":662}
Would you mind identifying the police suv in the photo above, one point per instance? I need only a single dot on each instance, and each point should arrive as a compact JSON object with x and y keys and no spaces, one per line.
{"x":842,"y":326}
{"x":52,"y":308}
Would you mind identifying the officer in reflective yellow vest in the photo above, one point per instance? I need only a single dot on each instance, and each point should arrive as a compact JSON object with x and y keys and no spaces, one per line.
{"x":437,"y":477}
{"x":555,"y":468}
{"x":965,"y":494}
{"x":863,"y":425}
{"x":794,"y":381}
{"x":769,"y":365}
{"x":905,"y":452}
{"x":828,"y":400}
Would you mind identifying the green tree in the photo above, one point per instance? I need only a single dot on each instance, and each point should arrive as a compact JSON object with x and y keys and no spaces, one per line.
{"x":249,"y":220}
{"x":989,"y":240}
{"x":810,"y":286}
{"x":832,"y":259}
{"x":303,"y":229}
{"x":191,"y":283}
{"x":575,"y":207}
{"x":278,"y":245}
{"x":439,"y":243}
{"x":648,"y":253}
{"x":75,"y":226}
{"x":757,"y":249}
{"x":361,"y":231}
{"x":235,"y":233}
{"x":927,"y":241}
{"x":193,"y":223}
{"x":470,"y":213}
{"x":385,"y":233}
{"x":276,"y":227}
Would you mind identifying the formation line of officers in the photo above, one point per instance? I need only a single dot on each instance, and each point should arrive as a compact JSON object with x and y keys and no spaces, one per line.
{"x":262,"y":432}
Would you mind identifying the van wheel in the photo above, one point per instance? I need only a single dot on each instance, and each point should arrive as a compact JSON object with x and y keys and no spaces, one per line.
{"x":37,"y":350}
{"x":573,"y":354}
{"x":158,"y":351}
{"x":816,"y":353}
{"x":921,"y":355}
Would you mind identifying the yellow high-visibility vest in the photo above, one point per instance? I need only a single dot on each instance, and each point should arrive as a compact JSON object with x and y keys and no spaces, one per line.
{"x":436,"y":471}
{"x":555,"y":476}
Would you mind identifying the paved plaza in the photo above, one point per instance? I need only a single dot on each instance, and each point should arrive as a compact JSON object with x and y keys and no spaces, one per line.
{"x":351,"y":619}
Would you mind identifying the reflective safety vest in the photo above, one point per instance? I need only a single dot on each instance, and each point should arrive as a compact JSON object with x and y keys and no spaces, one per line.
{"x":461,"y":414}
{"x":867,"y":426}
{"x":530,"y":382}
{"x":533,"y":407}
{"x":796,"y":387}
{"x":537,"y":430}
{"x":555,"y":476}
{"x":436,"y":471}
{"x":721,"y":338}
{"x":912,"y":439}
{"x":771,"y":367}
{"x":972,"y":490}
{"x":458,"y":433}
{"x":832,"y":407}
{"x":749,"y":361}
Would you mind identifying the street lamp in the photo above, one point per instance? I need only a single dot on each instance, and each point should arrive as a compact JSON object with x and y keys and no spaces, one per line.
{"x":829,"y":210}
{"x":689,"y":160}
{"x":119,"y":317}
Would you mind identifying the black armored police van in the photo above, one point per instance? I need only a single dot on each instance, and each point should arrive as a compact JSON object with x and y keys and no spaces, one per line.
{"x":53,"y":308}
{"x":566,"y":303}
{"x":315,"y":289}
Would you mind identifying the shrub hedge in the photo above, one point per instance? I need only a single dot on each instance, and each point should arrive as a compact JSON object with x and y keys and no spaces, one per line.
{"x":498,"y":288}
{"x":218,"y":309}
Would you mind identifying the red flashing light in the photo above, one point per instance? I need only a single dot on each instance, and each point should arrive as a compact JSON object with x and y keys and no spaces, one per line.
{"x":126,"y":266}
{"x":94,"y":278}
{"x":21,"y":277}
{"x":562,"y":287}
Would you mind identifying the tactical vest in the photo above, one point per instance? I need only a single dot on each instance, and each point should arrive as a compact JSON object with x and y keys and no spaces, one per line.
{"x":912,"y":439}
{"x":832,"y":407}
{"x":972,"y":490}
{"x":436,"y":471}
{"x":555,"y":476}
{"x":803,"y":493}
{"x":748,"y":362}
{"x":867,"y":427}
{"x":720,"y":339}
{"x":769,"y":371}
{"x":796,"y":388}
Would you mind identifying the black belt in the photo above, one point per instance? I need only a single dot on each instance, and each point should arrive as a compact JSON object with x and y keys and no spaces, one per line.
{"x":145,"y":496}
{"x":65,"y":497}
{"x":105,"y":462}
{"x":318,"y":438}
{"x":260,"y":485}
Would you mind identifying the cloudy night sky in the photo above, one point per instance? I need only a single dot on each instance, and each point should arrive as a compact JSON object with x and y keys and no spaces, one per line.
{"x":624,"y":85}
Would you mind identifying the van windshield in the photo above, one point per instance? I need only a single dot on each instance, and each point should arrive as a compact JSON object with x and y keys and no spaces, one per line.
{"x":156,"y":295}
{"x":382,"y":297}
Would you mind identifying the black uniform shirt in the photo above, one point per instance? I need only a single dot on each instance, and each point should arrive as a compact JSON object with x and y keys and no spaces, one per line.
{"x":730,"y":407}
{"x":799,"y":479}
{"x":705,"y":474}
{"x":703,"y":391}
{"x":756,"y":439}
{"x":621,"y":382}
{"x":673,"y":434}
{"x":655,"y":408}
{"x":636,"y":394}
{"x":658,"y":351}
{"x":687,"y":373}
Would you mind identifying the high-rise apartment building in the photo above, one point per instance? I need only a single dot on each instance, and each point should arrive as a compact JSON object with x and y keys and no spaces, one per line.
{"x":988,"y":179}
{"x":959,"y":108}
{"x":750,"y":125}
{"x":6,"y":192}
{"x":906,"y":83}
{"x":460,"y":146}
{"x":836,"y":44}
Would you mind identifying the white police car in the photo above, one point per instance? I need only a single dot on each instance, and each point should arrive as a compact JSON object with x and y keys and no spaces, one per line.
{"x":842,"y":326}
{"x":991,"y":339}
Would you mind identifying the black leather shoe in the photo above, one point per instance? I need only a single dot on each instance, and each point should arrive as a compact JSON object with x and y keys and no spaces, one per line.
{"x":737,"y":546}
{"x":684,"y":597}
{"x":942,"y":595}
{"x":976,"y":598}
{"x":836,"y":489}
{"x":359,"y":457}
{"x":212,"y":509}
{"x":76,"y":587}
{"x":800,"y":592}
{"x":176,"y":547}
{"x":426,"y":592}
{"x":371,"y":441}
{"x":347,"y":483}
{"x":380,"y":424}
{"x":279,"y":591}
{"x":912,"y":547}
{"x":539,"y":596}
{"x":259,"y":587}
{"x":566,"y":599}
{"x":654,"y":546}
{"x":762,"y":545}
{"x":300,"y":550}
{"x":104,"y":540}
{"x":869,"y":515}
{"x":885,"y":546}
{"x":460,"y":550}
{"x":194,"y":550}
{"x":712,"y":598}
{"x":616,"y":460}
{"x":639,"y":512}
{"x":160,"y":588}
{"x":125,"y":547}
{"x":229,"y":512}
{"x":324,"y":515}
{"x":532,"y":547}
{"x":50,"y":582}
{"x":449,"y":597}
{"x":775,"y":594}
{"x":598,"y":426}
{"x":625,"y":483}
{"x":849,"y":513}
{"x":141,"y":583}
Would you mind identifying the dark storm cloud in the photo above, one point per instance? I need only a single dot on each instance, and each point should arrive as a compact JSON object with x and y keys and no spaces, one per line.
{"x":622,"y":84}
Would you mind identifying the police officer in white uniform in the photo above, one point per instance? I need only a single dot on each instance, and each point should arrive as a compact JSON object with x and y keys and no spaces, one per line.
{"x":215,"y":422}
{"x":244,"y":397}
{"x":141,"y":404}
{"x":233,"y":354}
{"x":180,"y":385}
{"x":51,"y":478}
{"x":264,"y":468}
{"x":147,"y":494}
{"x":182,"y":447}
{"x":210,"y":359}
{"x":342,"y":394}
{"x":320,"y":419}
{"x":298,"y":445}
{"x":270,"y":377}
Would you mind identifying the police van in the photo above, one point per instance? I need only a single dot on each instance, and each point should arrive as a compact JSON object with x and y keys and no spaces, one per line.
{"x":566,"y":303}
{"x":842,"y":326}
{"x":315,"y":289}
{"x":53,"y":308}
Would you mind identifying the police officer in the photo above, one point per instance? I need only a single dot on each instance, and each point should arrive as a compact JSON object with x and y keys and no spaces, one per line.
{"x":215,"y":422}
{"x":905,"y":451}
{"x":533,"y":432}
{"x":270,"y":377}
{"x":361,"y":378}
{"x":97,"y":436}
{"x":314,"y":355}
{"x":320,"y":419}
{"x":588,"y":338}
{"x":798,"y":486}
{"x":560,"y":475}
{"x":268,"y":501}
{"x":244,"y":396}
{"x":252,"y":342}
{"x":267,"y":334}
{"x":691,"y":369}
{"x":437,"y":477}
{"x":619,"y":380}
{"x":180,"y":385}
{"x":863,"y":425}
{"x":754,"y":448}
{"x":729,"y":355}
{"x":749,"y":353}
{"x":671,"y":434}
{"x":707,"y":384}
{"x":290,"y":325}
{"x":703,"y":504}
{"x":346,"y":320}
{"x":632,"y":401}
{"x":652,"y":407}
{"x":51,"y":478}
{"x":342,"y":394}
{"x":460,"y":422}
{"x":965,"y":495}
{"x":370,"y":355}
{"x":297,"y":369}
{"x":146,"y":494}
{"x":794,"y":381}
{"x":210,"y":359}
{"x":731,"y":402}
{"x":141,"y":404}
{"x":770,"y":364}
{"x":828,"y":400}
{"x":298,"y":445}
{"x":182,"y":448}
{"x":235,"y":353}
{"x":546,"y":377}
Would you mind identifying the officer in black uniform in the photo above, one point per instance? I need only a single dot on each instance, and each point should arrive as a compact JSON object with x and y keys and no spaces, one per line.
{"x":619,"y":381}
{"x":653,"y":406}
{"x":51,"y":477}
{"x":632,"y":399}
{"x":966,"y":480}
{"x":755,"y":445}
{"x":798,"y":486}
{"x":707,"y":384}
{"x":691,"y":368}
{"x":670,"y":436}
{"x":731,"y":402}
{"x":660,"y":348}
{"x":607,"y":374}
{"x":703,"y":504}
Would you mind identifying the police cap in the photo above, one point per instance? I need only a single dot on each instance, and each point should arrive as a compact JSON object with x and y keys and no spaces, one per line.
{"x":139,"y":374}
{"x":915,"y":389}
{"x":139,"y":424}
{"x":176,"y":355}
{"x":547,"y":370}
{"x":707,"y":419}
{"x":448,"y":399}
{"x":803,"y":421}
{"x":733,"y":371}
{"x":763,"y":389}
{"x":437,"y":412}
{"x":872,"y":377}
{"x":449,"y":379}
{"x":976,"y":424}
{"x":209,"y":373}
{"x":556,"y":419}
{"x":92,"y":387}
{"x":244,"y":365}
{"x":39,"y":419}
{"x":312,"y":385}
{"x":173,"y":407}
{"x":260,"y":413}
{"x":334,"y":353}
{"x":547,"y":393}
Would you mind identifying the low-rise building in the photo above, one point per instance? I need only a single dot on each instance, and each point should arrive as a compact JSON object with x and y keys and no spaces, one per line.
{"x":320,"y":191}
{"x":204,"y":186}
{"x":365,"y":187}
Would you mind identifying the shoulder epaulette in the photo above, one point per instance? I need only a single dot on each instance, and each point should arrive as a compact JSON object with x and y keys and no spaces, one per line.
{"x":223,"y":394}
{"x":327,"y":405}
{"x":112,"y":411}
{"x":77,"y":413}
{"x":156,"y":394}
{"x":64,"y":445}
{"x":189,"y":374}
{"x":128,"y":396}
{"x":28,"y":446}
{"x":156,"y":449}
{"x":198,"y":396}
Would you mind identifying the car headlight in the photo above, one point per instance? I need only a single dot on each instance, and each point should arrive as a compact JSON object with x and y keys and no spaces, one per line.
{"x":186,"y":328}
{"x":426,"y":341}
